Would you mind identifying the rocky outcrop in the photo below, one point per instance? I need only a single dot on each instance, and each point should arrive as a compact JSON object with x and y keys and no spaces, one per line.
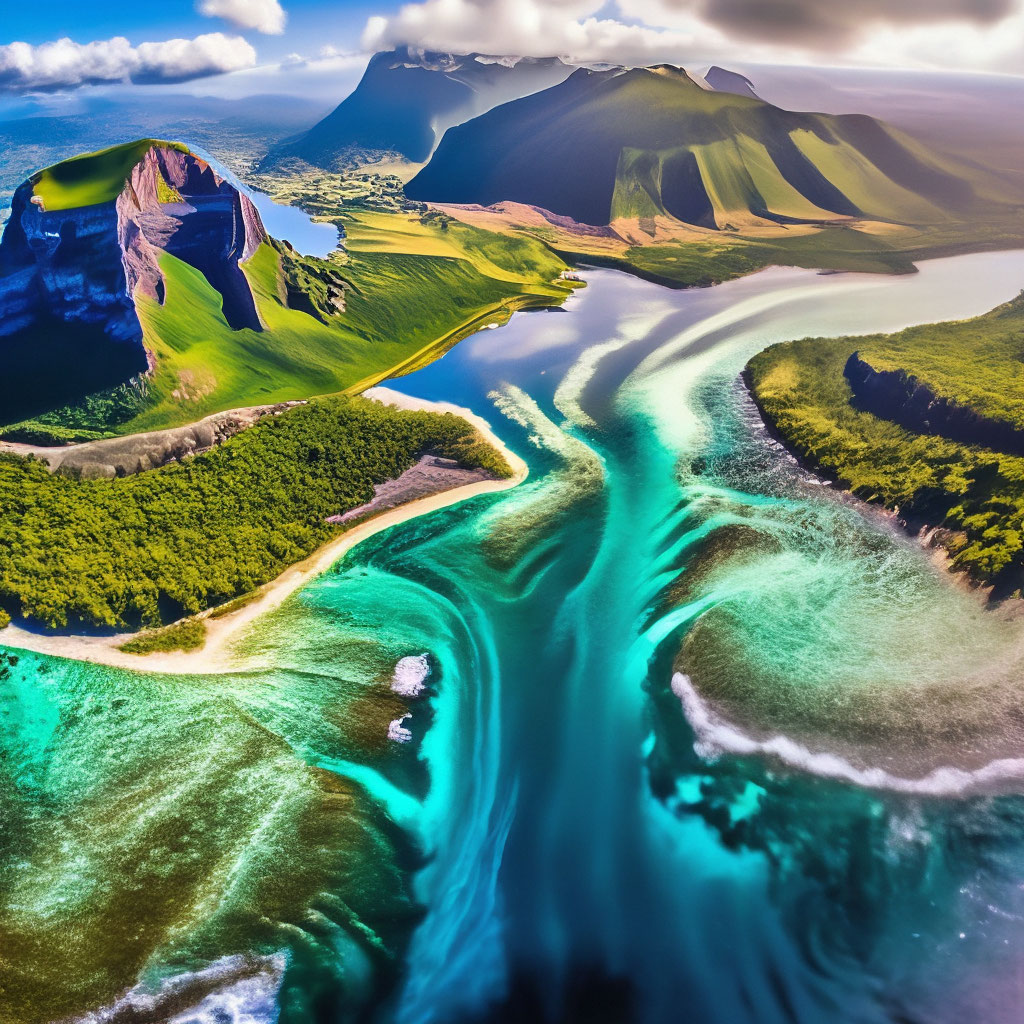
{"x":124,"y":456}
{"x":900,"y":397}
{"x":69,"y":277}
{"x":208,"y":224}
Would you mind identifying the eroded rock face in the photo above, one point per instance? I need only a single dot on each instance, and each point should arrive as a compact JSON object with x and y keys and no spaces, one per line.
{"x":897,"y":396}
{"x":69,"y":278}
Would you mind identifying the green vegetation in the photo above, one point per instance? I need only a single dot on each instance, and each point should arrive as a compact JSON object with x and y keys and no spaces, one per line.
{"x":94,"y":417}
{"x":233,"y":606}
{"x":977,"y":364}
{"x":701,"y":186}
{"x":149,"y":548}
{"x":405,"y":294}
{"x":609,"y":146}
{"x":166,"y":193}
{"x":975,"y":493}
{"x":93,"y":177}
{"x":5,"y":619}
{"x":187,"y":635}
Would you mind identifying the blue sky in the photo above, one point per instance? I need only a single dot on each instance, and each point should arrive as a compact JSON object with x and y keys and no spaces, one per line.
{"x":311,"y":23}
{"x":319,"y":47}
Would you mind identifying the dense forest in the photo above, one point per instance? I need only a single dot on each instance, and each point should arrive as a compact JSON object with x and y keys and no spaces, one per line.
{"x":150,"y":548}
{"x":908,"y":458}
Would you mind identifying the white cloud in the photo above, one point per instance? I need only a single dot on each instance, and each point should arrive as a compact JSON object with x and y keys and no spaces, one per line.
{"x":945,"y":34}
{"x":64,"y":63}
{"x":266,"y":16}
{"x":537,"y":28}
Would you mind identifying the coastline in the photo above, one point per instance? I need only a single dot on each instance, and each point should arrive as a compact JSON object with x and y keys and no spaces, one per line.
{"x":216,"y":656}
{"x":933,"y":538}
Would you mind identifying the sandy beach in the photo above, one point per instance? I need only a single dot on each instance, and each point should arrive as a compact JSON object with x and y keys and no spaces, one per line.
{"x":216,"y":655}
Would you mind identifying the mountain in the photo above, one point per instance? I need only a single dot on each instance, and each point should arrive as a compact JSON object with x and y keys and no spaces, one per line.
{"x":407,"y":99}
{"x":141,"y":291}
{"x":84,"y":244}
{"x":620,"y":145}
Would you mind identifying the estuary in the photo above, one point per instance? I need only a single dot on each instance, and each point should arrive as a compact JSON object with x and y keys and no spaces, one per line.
{"x":670,"y":731}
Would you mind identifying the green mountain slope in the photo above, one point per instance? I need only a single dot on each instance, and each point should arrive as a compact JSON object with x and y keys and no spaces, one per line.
{"x":139,"y":290}
{"x":605,"y":146}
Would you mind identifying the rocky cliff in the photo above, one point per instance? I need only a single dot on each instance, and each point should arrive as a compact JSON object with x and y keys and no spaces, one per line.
{"x":71,"y":267}
{"x":900,"y":397}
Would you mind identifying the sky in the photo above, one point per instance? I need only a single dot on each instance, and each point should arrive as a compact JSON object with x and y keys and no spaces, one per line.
{"x":319,"y":47}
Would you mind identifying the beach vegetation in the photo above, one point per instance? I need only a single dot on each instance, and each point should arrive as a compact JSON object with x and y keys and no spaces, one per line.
{"x":148,"y":549}
{"x":187,"y":635}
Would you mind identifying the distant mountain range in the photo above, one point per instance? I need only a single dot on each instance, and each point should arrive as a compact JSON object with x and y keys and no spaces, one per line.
{"x":405,"y":102}
{"x":613,"y":145}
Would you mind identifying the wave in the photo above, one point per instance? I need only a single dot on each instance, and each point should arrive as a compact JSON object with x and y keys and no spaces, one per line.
{"x":714,"y":736}
{"x":233,"y":990}
{"x":409,"y":678}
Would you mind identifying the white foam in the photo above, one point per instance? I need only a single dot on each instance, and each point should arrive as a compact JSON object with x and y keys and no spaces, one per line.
{"x":247,"y":1001}
{"x":251,"y":999}
{"x":715,"y":736}
{"x":397,"y":732}
{"x":409,"y":678}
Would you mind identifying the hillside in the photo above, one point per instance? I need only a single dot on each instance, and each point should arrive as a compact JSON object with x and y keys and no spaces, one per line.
{"x":404,"y":103}
{"x":139,"y":290}
{"x":646,"y":170}
{"x":926,"y":422}
{"x":154,"y":546}
{"x":612,"y":145}
{"x":85,"y":240}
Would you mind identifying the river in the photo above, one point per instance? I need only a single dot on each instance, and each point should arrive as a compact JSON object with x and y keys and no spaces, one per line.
{"x":823,"y":833}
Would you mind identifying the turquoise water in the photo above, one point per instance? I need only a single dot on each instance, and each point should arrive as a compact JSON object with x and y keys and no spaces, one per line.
{"x":701,"y":739}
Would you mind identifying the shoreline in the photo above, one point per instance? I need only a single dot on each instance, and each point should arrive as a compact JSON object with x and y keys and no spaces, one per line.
{"x":932,"y":538}
{"x":215,"y":657}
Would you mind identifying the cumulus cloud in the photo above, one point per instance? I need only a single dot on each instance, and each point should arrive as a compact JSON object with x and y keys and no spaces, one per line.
{"x":265,"y":16}
{"x":64,"y":63}
{"x":538,"y":28}
{"x":976,"y":34}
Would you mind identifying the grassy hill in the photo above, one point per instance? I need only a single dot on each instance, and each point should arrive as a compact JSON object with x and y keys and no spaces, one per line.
{"x":400,"y":305}
{"x":717,"y":183}
{"x":609,"y":145}
{"x":93,"y":178}
{"x":407,"y":288}
{"x":962,"y":379}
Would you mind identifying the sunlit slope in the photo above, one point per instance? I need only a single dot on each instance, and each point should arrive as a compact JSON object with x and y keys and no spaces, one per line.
{"x":405,"y":100}
{"x":93,"y":177}
{"x":606,"y":146}
{"x":411,"y":294}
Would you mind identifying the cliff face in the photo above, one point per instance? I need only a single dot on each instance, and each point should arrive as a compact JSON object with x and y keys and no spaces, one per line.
{"x":69,"y":277}
{"x":897,"y":396}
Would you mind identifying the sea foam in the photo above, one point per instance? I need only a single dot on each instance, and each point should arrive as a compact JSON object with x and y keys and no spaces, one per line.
{"x":244,"y":991}
{"x":409,"y":678}
{"x":714,"y":736}
{"x":397,"y":732}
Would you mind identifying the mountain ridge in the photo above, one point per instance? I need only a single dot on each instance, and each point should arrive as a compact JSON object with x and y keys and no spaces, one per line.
{"x":404,"y":102}
{"x":649,"y":143}
{"x":83,"y":243}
